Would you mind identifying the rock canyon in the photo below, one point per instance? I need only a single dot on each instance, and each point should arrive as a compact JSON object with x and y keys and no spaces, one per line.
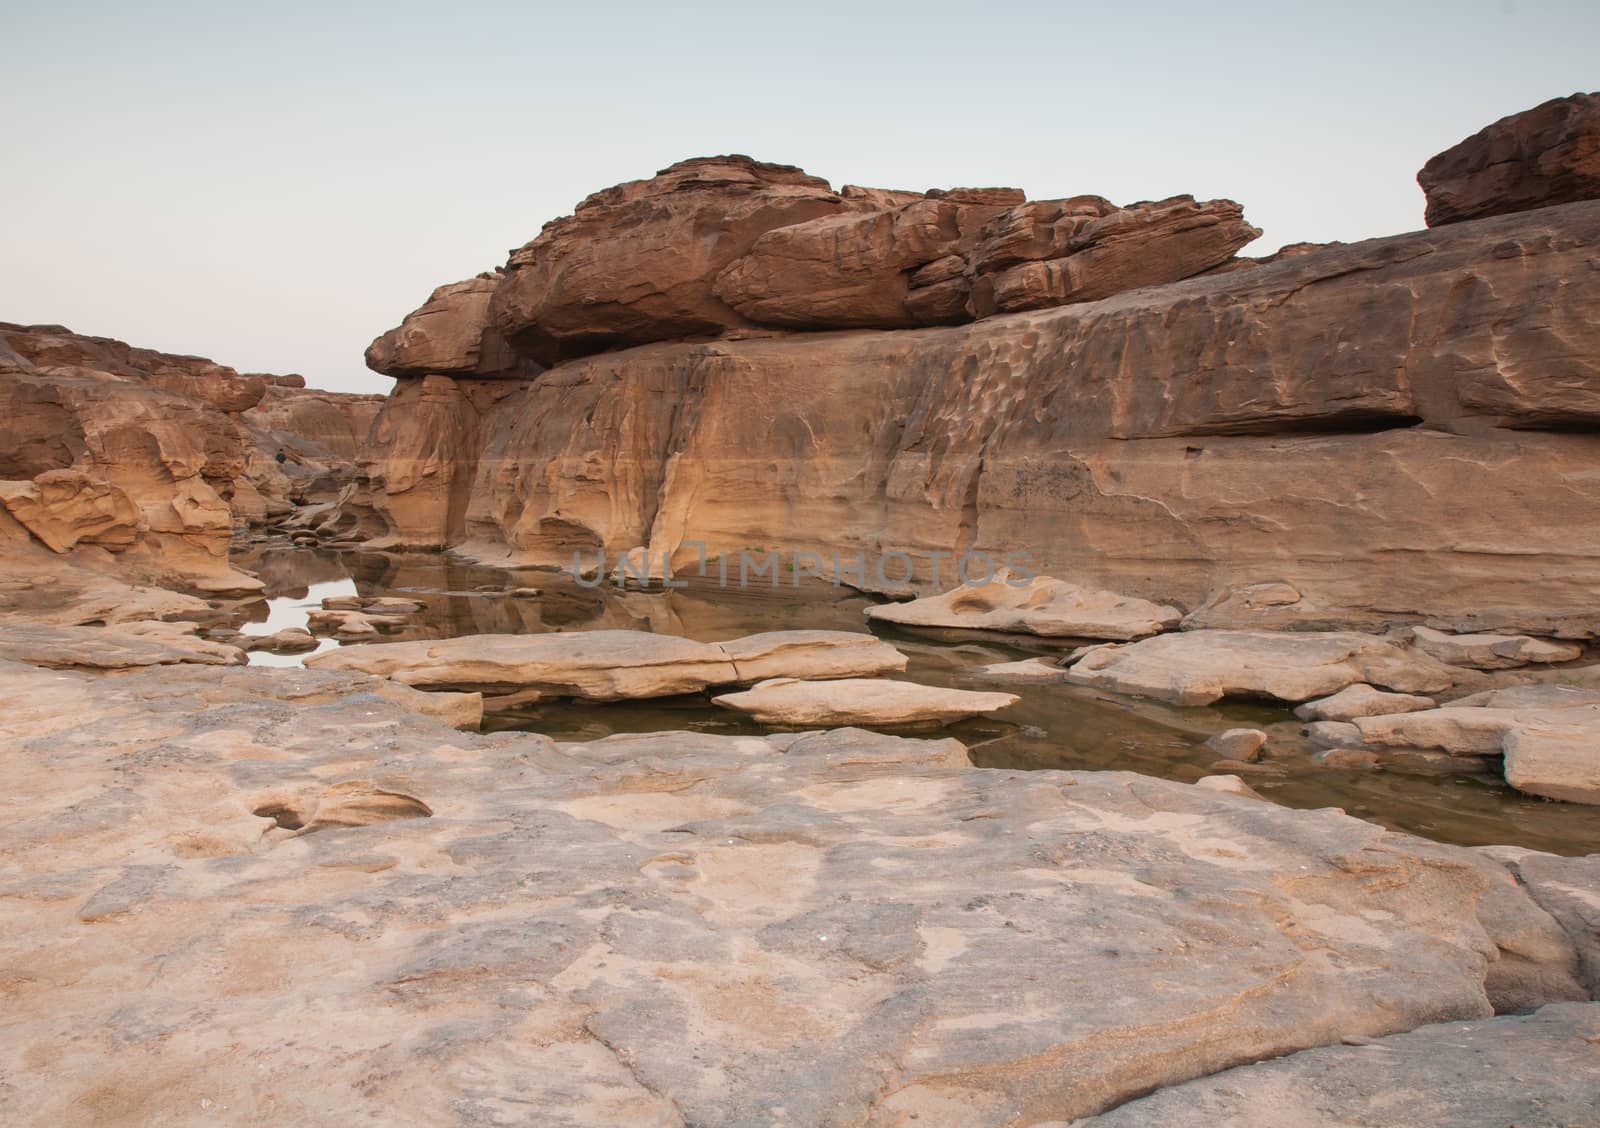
{"x":794,"y":655}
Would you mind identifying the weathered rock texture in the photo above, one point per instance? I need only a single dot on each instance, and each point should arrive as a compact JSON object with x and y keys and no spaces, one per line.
{"x":257,"y":896}
{"x":1398,"y":428}
{"x":870,"y":702}
{"x":452,"y":334}
{"x":1529,"y":1069}
{"x":1539,"y":157}
{"x":720,"y":244}
{"x":602,"y":665}
{"x":151,"y":457}
{"x":1042,"y":605}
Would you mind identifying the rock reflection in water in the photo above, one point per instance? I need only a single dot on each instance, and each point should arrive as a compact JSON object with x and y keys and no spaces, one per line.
{"x":1053,"y":726}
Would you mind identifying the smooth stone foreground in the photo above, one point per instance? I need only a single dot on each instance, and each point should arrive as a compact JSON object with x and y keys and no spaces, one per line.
{"x":676,"y":928}
{"x":874,"y":702}
{"x":1529,"y":1069}
{"x":1200,"y":667}
{"x":122,"y":647}
{"x":615,"y":665}
{"x":1043,"y":606}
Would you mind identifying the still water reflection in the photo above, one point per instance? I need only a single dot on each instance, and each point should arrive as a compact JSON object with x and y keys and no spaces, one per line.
{"x":1053,"y":726}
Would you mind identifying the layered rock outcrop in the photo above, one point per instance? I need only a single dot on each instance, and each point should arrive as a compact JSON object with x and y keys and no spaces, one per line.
{"x":153,"y":458}
{"x":720,"y":245}
{"x":1539,"y":157}
{"x":1401,"y":427}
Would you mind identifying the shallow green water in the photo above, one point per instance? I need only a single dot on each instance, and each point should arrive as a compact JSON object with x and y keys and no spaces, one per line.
{"x":1053,"y":726}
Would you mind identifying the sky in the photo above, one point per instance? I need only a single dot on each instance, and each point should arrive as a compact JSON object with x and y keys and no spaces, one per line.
{"x":274,"y":184}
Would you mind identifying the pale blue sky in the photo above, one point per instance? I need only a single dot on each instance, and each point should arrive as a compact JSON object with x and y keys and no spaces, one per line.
{"x":273,"y":184}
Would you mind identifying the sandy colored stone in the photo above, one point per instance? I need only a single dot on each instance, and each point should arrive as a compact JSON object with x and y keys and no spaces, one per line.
{"x":64,"y":508}
{"x":1238,"y":744}
{"x":1042,"y":605}
{"x":595,"y":665}
{"x":1555,"y":760}
{"x":1200,"y":667}
{"x":1361,"y":701}
{"x":1013,"y":434}
{"x":609,"y":931}
{"x":1538,"y":1068}
{"x":1024,"y":670}
{"x":290,"y":640}
{"x":450,"y":333}
{"x":613,"y":665}
{"x":1347,"y":759}
{"x":1468,"y":729}
{"x":111,"y":648}
{"x":1492,"y":651}
{"x":810,"y":654}
{"x":874,"y":702}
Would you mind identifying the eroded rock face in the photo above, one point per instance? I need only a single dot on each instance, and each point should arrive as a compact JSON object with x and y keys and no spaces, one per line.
{"x":1539,"y":157}
{"x":451,"y":334}
{"x":676,"y":927}
{"x":636,"y":263}
{"x":1303,"y":426}
{"x":150,"y":456}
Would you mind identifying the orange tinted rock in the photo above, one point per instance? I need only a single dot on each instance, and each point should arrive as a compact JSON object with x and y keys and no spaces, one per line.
{"x":1539,"y":157}
{"x":636,"y":263}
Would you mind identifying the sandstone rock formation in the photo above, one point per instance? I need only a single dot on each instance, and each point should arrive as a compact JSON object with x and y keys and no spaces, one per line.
{"x":1310,"y":422}
{"x":1533,"y":159}
{"x":1043,"y":605}
{"x":868,"y":702}
{"x":1538,"y":1068}
{"x":149,"y":456}
{"x":719,"y":244}
{"x":1492,"y":651}
{"x":1200,"y":667}
{"x":605,"y":665}
{"x":1361,"y":701}
{"x":677,"y":927}
{"x":450,"y":333}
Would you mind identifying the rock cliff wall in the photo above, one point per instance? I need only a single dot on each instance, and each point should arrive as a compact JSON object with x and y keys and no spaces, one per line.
{"x":147,"y":461}
{"x":1405,"y":427}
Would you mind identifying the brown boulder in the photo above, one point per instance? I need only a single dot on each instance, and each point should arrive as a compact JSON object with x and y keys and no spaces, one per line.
{"x":1539,"y":157}
{"x":636,"y":263}
{"x":450,"y":333}
{"x":1143,"y":245}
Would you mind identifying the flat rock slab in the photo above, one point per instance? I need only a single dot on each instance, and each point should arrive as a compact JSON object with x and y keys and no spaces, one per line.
{"x":874,"y":702}
{"x":1492,"y":651}
{"x":1200,"y":667}
{"x":613,"y":665}
{"x":1361,"y":701}
{"x":1023,"y":670}
{"x":1043,"y":606}
{"x":674,"y":927}
{"x":1527,"y":1069}
{"x":810,"y":654}
{"x":123,"y":647}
